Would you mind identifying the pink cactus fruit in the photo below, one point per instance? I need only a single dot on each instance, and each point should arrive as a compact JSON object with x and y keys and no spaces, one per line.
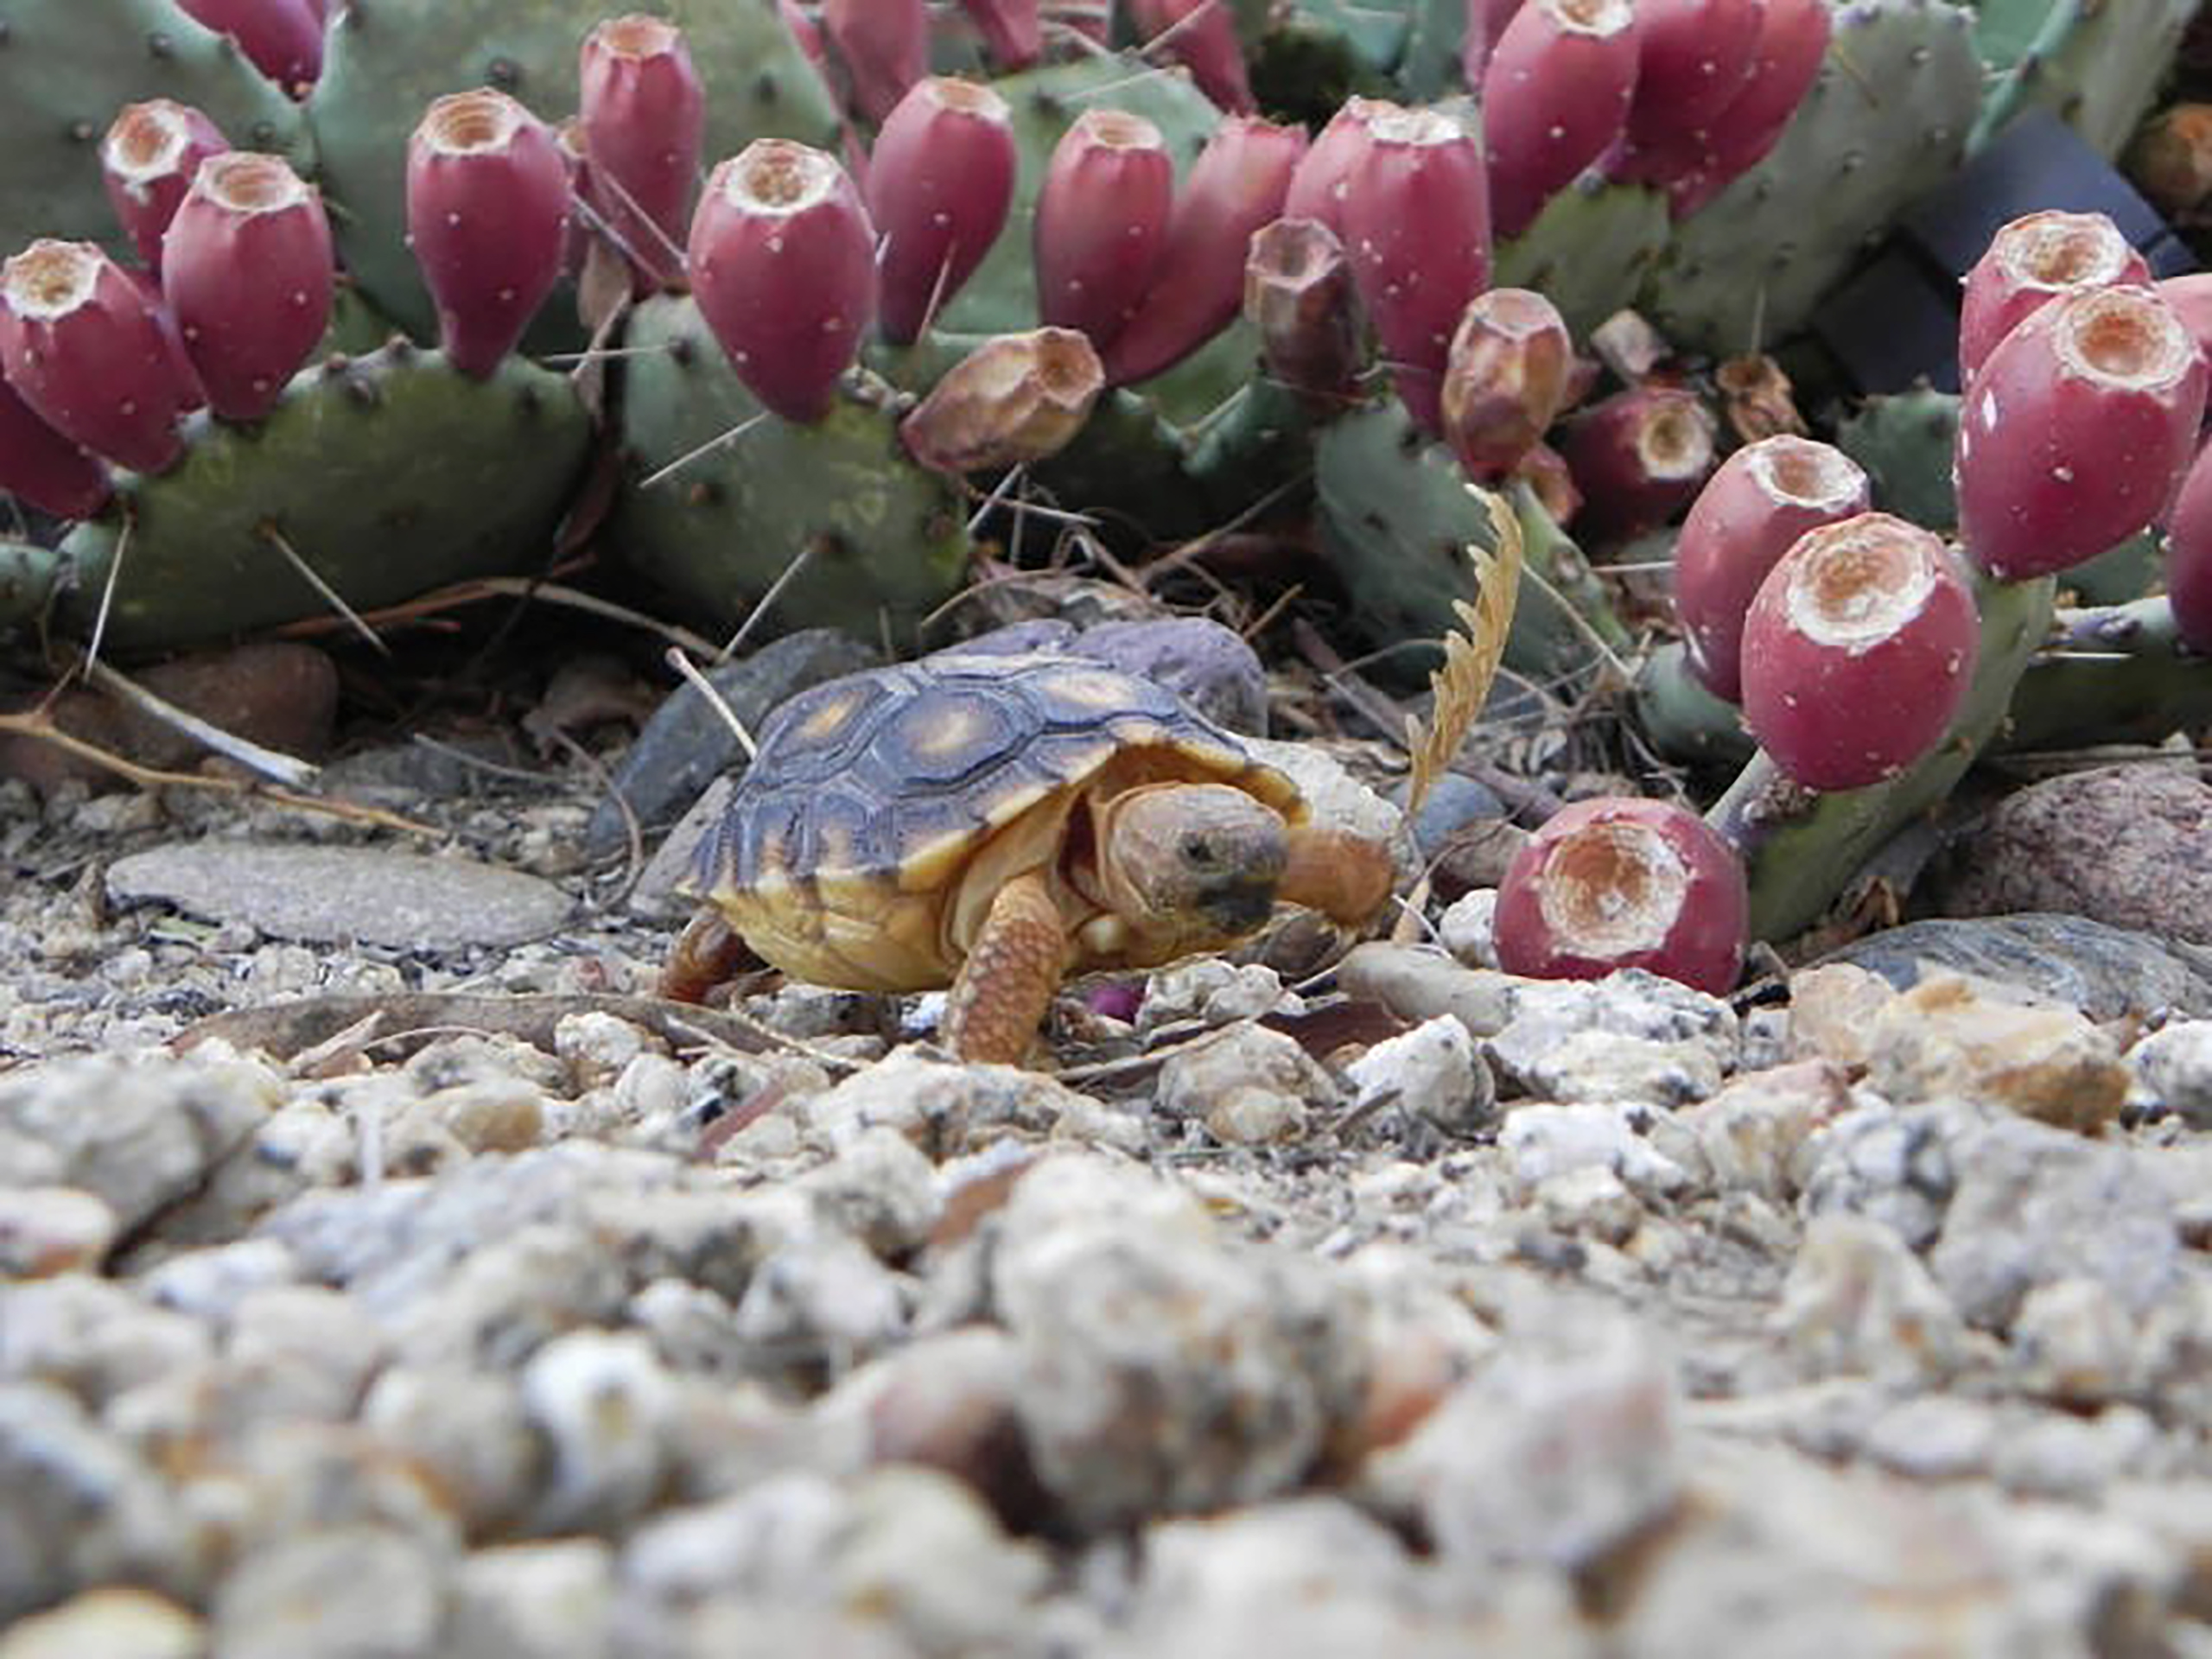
{"x":1012,"y":31}
{"x":1793,"y":41}
{"x":281,"y":38}
{"x":1555,"y":98}
{"x":1487,"y":20}
{"x":1621,"y":882}
{"x":1016,"y":398}
{"x":1416,"y":224}
{"x":1298,"y":295}
{"x":2191,"y":297}
{"x":1639,"y":457}
{"x":783,"y":268}
{"x":1505,"y":380}
{"x":940,"y":183}
{"x":884,"y":45}
{"x":1857,"y":651}
{"x":2076,"y":431}
{"x":1693,"y":57}
{"x":148,"y":158}
{"x":90,"y":351}
{"x":1201,"y":35}
{"x":1237,"y":186}
{"x":39,"y":465}
{"x":1317,"y":186}
{"x":643,"y":116}
{"x":488,"y":217}
{"x":1751,"y":512}
{"x":1101,"y":221}
{"x":247,"y":271}
{"x":2030,"y":261}
{"x":2188,"y":556}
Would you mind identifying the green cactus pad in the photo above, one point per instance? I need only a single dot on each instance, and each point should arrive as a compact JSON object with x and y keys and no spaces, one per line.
{"x":1903,"y":441}
{"x":888,"y":538}
{"x":1886,"y":121}
{"x":1588,"y":252}
{"x":2113,"y":674}
{"x":66,"y":66}
{"x":28,"y":575}
{"x":388,"y":59}
{"x":2095,"y":64}
{"x":388,"y":475}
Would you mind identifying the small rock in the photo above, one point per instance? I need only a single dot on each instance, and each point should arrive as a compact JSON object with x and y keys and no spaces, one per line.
{"x":1589,"y":1201}
{"x":879,"y":1189}
{"x":1250,"y":1085}
{"x":1752,"y":1136}
{"x":2105,"y":971}
{"x":601,"y":1402}
{"x":303,"y":1350}
{"x":1544,"y":1140}
{"x":209,"y":1284}
{"x":1944,"y":1038}
{"x":1418,"y":983}
{"x":942,"y":1107}
{"x":1934,"y":1437}
{"x":1466,"y":928}
{"x":1209,"y":989}
{"x":1603,"y":1066}
{"x":1892,"y":1167}
{"x":108,"y":1623}
{"x":352,"y":1593}
{"x":2172,"y":1069}
{"x":1208,"y":666}
{"x":554,"y":1600}
{"x":818,"y":1305}
{"x":1858,"y":1302}
{"x":598,"y":1047}
{"x":49,"y":1230}
{"x":1833,"y":1007}
{"x":2074,"y":1344}
{"x":1432,"y":1074}
{"x":94,"y":1338}
{"x":2066,"y":1455}
{"x":470,"y":1427}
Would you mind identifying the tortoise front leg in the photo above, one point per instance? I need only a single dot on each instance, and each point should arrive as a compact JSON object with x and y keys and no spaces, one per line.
{"x":1006,"y":985}
{"x":1345,"y":877}
{"x":706,"y":954}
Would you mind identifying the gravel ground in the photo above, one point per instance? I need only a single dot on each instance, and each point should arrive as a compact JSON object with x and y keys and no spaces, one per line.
{"x":468,"y":1302}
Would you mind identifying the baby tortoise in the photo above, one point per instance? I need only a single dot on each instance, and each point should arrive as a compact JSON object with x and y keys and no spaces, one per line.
{"x":992,"y":823}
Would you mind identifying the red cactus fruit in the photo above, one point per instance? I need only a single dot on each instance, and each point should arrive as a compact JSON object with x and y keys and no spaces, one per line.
{"x":783,"y":267}
{"x":1298,"y":294}
{"x":1102,"y":220}
{"x":1487,"y":20}
{"x":92,"y":353}
{"x":247,"y":271}
{"x":2033,"y":260}
{"x":2188,"y":556}
{"x":1013,"y":32}
{"x":488,"y":216}
{"x":281,"y":38}
{"x":884,"y":45}
{"x":2191,"y":297}
{"x":1693,"y":57}
{"x":1793,"y":40}
{"x":1857,"y":651}
{"x":2076,"y":433}
{"x":38,"y":465}
{"x":643,"y":116}
{"x":1506,"y":378}
{"x":148,"y":158}
{"x":1201,"y":35}
{"x":1317,"y":186}
{"x":1751,"y":512}
{"x":1555,"y":98}
{"x":1013,"y":399}
{"x":1637,"y":457}
{"x":939,"y":184}
{"x":1416,"y":224}
{"x":1621,"y":882}
{"x":1235,"y":187}
{"x":1545,"y":471}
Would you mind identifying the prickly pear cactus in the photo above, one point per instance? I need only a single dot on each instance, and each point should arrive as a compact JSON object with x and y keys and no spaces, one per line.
{"x":68,"y":65}
{"x":386,"y":475}
{"x":1904,"y":443}
{"x":1886,"y":121}
{"x":1589,"y":250}
{"x":2096,"y":64}
{"x":388,"y":59}
{"x":884,"y":541}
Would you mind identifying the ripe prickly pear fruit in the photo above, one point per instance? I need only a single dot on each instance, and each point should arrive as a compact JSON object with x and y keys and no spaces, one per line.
{"x":1013,"y":32}
{"x":1555,"y":98}
{"x":38,"y":465}
{"x":1317,"y":186}
{"x":1487,"y":21}
{"x":1637,"y":457}
{"x":1506,"y":378}
{"x":2188,"y":556}
{"x":488,"y":217}
{"x":2031,"y":261}
{"x":1621,"y":882}
{"x":1416,"y":224}
{"x":2191,"y":297}
{"x":1751,"y":512}
{"x":2076,"y":432}
{"x":884,"y":45}
{"x":1792,"y":39}
{"x":940,"y":183}
{"x":1102,"y":220}
{"x":92,"y":353}
{"x":783,"y":268}
{"x":1201,"y":35}
{"x":1858,"y":651}
{"x":148,"y":158}
{"x":1013,"y":399}
{"x":247,"y":269}
{"x":1297,"y":294}
{"x":643,"y":115}
{"x":1235,"y":187}
{"x":281,"y":38}
{"x":1693,"y":57}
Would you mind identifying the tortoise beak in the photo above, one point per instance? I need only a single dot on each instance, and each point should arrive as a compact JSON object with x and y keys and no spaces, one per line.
{"x":1238,"y":904}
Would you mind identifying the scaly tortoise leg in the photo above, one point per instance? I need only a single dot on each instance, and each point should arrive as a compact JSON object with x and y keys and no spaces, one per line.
{"x":1345,"y":877}
{"x":706,"y":954}
{"x":1004,"y":987}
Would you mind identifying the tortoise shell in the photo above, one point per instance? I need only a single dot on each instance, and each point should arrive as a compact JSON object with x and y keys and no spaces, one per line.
{"x":884,"y":809}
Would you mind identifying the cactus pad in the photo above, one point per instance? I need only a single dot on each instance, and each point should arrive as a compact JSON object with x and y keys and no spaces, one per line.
{"x":2095,"y":63}
{"x":1587,"y":250}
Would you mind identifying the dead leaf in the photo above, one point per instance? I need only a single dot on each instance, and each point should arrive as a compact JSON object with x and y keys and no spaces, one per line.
{"x":1462,"y":685}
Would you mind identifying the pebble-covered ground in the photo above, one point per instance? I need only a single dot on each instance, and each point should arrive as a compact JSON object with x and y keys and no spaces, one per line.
{"x":466,"y":1301}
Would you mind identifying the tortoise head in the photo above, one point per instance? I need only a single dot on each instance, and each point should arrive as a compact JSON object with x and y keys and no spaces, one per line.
{"x":1192,"y":861}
